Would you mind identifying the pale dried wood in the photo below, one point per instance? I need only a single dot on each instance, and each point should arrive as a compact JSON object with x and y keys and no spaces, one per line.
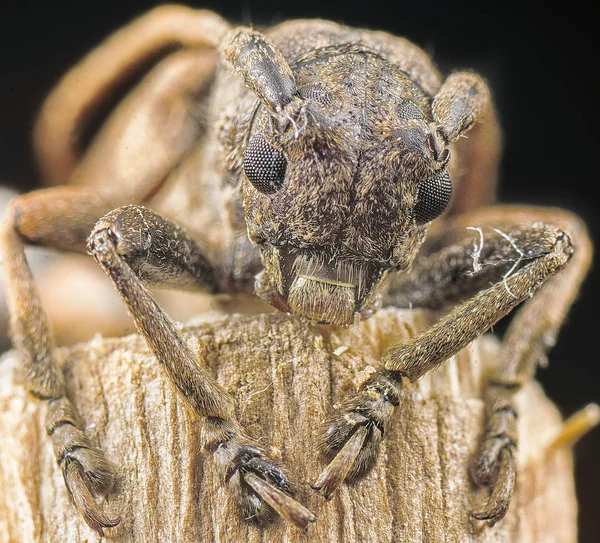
{"x":285,"y":376}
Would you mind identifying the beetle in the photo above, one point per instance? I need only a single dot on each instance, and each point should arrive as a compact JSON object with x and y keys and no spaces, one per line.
{"x":322,"y":168}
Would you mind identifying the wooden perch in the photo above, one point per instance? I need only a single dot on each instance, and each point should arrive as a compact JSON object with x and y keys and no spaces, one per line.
{"x":285,"y":376}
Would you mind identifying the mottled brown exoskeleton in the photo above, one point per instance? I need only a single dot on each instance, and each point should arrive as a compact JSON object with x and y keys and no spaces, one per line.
{"x":313,"y":159}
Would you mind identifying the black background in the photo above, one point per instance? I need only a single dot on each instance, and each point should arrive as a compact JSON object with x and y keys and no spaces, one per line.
{"x":540,"y":62}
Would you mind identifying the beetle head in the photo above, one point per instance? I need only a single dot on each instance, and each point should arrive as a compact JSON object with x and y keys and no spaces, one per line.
{"x":340,"y":183}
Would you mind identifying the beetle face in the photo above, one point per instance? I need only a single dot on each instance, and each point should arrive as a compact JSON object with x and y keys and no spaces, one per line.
{"x":339,"y":194}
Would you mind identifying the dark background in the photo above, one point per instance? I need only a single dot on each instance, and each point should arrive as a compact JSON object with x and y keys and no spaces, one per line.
{"x":539,"y":61}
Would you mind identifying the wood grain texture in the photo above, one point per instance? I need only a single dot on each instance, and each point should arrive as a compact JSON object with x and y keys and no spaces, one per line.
{"x":285,"y":375}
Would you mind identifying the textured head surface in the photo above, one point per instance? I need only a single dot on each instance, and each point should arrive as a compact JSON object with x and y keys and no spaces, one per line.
{"x":357,"y":144}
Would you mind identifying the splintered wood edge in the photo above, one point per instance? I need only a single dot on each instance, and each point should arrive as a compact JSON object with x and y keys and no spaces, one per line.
{"x":285,"y":376}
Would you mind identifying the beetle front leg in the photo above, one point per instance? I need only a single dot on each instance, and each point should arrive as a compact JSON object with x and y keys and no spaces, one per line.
{"x":134,"y":245}
{"x":520,"y":258}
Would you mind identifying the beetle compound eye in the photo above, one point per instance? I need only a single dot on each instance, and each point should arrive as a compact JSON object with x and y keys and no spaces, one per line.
{"x":264,"y":166}
{"x":409,"y":111}
{"x":432,"y":198}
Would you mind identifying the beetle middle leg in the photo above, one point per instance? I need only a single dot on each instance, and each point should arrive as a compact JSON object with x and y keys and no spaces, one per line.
{"x":56,"y":218}
{"x":521,"y":252}
{"x":136,"y":246}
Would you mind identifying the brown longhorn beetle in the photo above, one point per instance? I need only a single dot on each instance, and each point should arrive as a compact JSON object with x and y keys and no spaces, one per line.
{"x":314,"y":159}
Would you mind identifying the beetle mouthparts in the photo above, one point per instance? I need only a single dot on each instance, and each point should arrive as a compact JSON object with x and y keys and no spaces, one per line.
{"x":322,"y":300}
{"x":322,"y":290}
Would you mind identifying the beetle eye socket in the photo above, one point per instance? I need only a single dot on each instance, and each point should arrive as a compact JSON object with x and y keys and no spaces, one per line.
{"x":264,"y":166}
{"x":433,"y":197}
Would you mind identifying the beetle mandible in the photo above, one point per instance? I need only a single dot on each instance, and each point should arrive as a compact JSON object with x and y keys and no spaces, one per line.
{"x":314,"y":158}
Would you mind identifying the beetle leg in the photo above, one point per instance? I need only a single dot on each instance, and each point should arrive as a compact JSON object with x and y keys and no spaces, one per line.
{"x":132,"y":156}
{"x":57,"y":218}
{"x":521,"y":257}
{"x":134,"y":245}
{"x":531,"y":334}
